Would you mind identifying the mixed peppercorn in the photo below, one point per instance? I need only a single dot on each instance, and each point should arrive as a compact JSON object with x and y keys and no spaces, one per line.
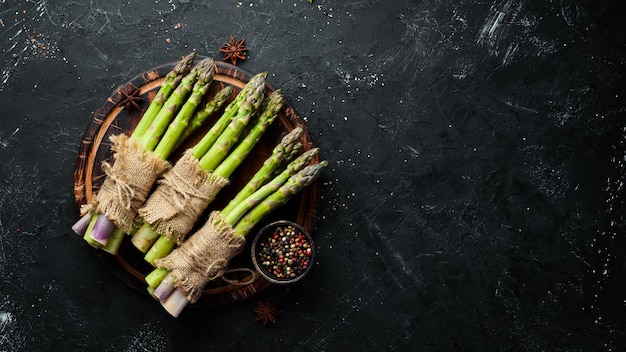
{"x":285,"y":253}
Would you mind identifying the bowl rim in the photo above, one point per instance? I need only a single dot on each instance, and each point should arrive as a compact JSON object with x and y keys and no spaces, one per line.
{"x":262,"y":233}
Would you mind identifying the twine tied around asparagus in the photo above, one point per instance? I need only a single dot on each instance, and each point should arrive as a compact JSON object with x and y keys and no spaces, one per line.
{"x":184,"y":192}
{"x":117,"y":186}
{"x":128,"y":182}
{"x":203,"y":257}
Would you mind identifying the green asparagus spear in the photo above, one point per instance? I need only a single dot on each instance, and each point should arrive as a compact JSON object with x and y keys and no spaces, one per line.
{"x":144,"y":238}
{"x":295,"y":183}
{"x":209,"y":110}
{"x":225,"y":142}
{"x":172,"y":79}
{"x":115,"y":241}
{"x":236,"y":157}
{"x":176,"y":128}
{"x":155,"y":277}
{"x":158,"y":126}
{"x":87,"y":236}
{"x":161,"y":247}
{"x":270,"y":187}
{"x":201,"y":148}
{"x":281,"y":154}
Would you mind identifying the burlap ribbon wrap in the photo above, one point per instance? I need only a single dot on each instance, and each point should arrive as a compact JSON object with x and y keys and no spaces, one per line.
{"x":203,"y":257}
{"x":184,"y":192}
{"x":128,"y":182}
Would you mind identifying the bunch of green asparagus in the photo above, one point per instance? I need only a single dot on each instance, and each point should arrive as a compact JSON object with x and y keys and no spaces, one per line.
{"x":280,"y":177}
{"x":169,"y":119}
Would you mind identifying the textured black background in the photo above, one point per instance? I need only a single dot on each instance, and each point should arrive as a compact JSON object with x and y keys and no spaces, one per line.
{"x":474,"y":199}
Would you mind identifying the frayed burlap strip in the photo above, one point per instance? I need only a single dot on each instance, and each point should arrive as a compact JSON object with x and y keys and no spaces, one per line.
{"x":128,"y":182}
{"x":203,"y":257}
{"x":184,"y":192}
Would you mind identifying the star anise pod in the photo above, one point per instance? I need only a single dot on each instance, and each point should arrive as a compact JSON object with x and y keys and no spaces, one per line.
{"x":130,"y":97}
{"x":234,"y":50}
{"x":267,"y":311}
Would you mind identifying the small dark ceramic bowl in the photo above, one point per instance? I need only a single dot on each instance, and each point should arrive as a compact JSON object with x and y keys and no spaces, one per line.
{"x":283,"y":252}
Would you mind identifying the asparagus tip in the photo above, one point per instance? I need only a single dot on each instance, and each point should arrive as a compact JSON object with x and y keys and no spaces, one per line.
{"x":184,"y":65}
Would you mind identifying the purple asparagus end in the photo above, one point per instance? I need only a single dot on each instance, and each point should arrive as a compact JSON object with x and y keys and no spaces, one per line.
{"x":165,"y":288}
{"x":81,"y":225}
{"x":102,"y":230}
{"x":175,"y":303}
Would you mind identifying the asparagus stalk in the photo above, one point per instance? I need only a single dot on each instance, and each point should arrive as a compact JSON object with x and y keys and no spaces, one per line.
{"x":102,"y":230}
{"x":114,"y":241}
{"x":231,"y":216}
{"x":163,"y":290}
{"x":236,"y":157}
{"x":155,"y":277}
{"x":160,"y":248}
{"x":209,"y":110}
{"x":172,"y":79}
{"x":175,"y":300}
{"x":282,"y":153}
{"x":144,"y":238}
{"x":177,"y":127}
{"x":230,"y":136}
{"x":87,"y":235}
{"x":161,"y":121}
{"x":81,"y":225}
{"x":202,"y":147}
{"x":293,"y":186}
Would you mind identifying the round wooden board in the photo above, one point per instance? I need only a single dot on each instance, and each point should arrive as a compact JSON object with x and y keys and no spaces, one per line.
{"x":111,"y":119}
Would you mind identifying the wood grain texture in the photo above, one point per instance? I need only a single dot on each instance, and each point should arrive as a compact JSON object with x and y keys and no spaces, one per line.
{"x":111,"y":119}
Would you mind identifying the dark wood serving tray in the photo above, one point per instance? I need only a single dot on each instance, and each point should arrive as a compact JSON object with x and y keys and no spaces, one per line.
{"x":111,"y":119}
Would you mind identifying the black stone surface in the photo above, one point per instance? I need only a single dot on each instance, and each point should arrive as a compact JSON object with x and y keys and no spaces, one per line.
{"x":474,"y":202}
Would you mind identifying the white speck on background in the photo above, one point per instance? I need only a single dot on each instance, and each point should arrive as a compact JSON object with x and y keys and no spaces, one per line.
{"x":149,"y":337}
{"x":6,"y":318}
{"x":11,"y":339}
